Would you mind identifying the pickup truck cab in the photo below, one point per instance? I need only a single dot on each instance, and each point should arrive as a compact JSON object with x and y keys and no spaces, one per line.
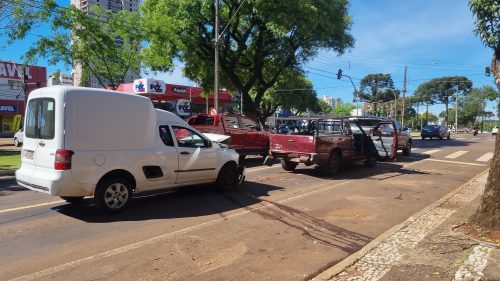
{"x":247,"y":137}
{"x":90,"y":142}
{"x":328,"y":142}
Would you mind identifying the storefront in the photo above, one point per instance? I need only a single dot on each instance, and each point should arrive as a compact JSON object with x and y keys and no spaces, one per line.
{"x":12,"y":92}
{"x":182,"y":100}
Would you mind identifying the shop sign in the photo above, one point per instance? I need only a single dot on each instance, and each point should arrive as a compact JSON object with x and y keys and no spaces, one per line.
{"x":10,"y":70}
{"x":179,"y":90}
{"x":149,"y":86}
{"x":8,"y":108}
{"x":183,"y":107}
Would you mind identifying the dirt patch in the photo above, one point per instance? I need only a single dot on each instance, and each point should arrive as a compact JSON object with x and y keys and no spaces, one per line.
{"x":479,"y":233}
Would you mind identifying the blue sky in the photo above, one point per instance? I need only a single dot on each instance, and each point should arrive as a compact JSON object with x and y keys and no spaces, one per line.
{"x":432,"y":38}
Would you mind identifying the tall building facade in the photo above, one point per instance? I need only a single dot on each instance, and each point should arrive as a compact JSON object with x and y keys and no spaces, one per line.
{"x":115,"y":6}
{"x":331,"y":101}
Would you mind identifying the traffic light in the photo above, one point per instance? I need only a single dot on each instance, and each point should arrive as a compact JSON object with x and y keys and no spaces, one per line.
{"x":487,"y":71}
{"x":339,"y":74}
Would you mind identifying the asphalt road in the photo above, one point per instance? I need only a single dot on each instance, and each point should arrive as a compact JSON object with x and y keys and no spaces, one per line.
{"x":277,"y":226}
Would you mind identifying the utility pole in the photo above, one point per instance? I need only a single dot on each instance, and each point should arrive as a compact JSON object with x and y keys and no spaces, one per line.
{"x":403,"y":103}
{"x":216,"y":70}
{"x":456,"y":113}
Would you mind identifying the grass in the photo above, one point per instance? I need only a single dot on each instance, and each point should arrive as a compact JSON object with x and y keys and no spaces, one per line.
{"x":10,"y":160}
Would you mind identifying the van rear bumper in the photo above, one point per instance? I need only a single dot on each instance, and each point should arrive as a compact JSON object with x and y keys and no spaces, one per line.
{"x":53,"y":182}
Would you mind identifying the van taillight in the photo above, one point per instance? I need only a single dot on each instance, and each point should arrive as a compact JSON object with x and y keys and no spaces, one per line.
{"x":63,"y":159}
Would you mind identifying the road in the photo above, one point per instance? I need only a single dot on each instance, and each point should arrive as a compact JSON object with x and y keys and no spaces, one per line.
{"x":277,"y":226}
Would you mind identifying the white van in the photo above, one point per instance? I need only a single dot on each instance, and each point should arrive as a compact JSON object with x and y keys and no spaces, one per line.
{"x":82,"y":142}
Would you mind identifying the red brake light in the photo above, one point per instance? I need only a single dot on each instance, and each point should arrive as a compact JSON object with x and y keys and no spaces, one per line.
{"x":63,"y":159}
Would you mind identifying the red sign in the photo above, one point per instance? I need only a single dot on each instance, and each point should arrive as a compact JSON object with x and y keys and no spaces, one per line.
{"x":16,"y":71}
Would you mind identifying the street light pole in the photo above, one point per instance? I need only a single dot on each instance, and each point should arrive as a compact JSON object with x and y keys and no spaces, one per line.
{"x":456,"y":113}
{"x":216,"y":70}
{"x":395,"y":104}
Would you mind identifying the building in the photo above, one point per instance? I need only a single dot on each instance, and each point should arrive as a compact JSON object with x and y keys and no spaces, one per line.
{"x":60,"y":79}
{"x":115,"y":6}
{"x":331,"y":101}
{"x":12,"y":92}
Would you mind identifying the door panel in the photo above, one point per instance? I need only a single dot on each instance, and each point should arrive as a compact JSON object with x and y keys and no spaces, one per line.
{"x":384,"y":137}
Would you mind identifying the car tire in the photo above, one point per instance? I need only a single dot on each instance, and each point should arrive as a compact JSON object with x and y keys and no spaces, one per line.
{"x":16,"y":142}
{"x":288,"y":165}
{"x":407,"y":149}
{"x":112,"y":195}
{"x":73,"y":199}
{"x":228,"y":177}
{"x":371,"y":161}
{"x":334,"y":163}
{"x":449,"y":137}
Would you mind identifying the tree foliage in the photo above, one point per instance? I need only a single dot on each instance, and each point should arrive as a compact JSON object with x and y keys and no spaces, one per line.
{"x":471,"y":107}
{"x":377,"y":87}
{"x":343,"y":109}
{"x":106,"y":43}
{"x":263,"y":40}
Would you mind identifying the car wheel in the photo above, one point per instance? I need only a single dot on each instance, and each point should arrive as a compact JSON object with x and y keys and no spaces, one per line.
{"x":16,"y":142}
{"x":449,"y":136}
{"x":371,"y":161}
{"x":334,"y":163}
{"x":73,"y":199}
{"x":228,"y":177}
{"x":407,"y":149}
{"x":112,"y":195}
{"x":288,"y":165}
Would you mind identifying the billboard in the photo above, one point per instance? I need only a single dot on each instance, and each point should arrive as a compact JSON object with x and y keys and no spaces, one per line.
{"x":183,"y":107}
{"x":149,"y":86}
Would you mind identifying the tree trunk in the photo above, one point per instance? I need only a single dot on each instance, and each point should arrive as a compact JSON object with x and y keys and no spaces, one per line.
{"x":488,"y":213}
{"x":446,"y":104}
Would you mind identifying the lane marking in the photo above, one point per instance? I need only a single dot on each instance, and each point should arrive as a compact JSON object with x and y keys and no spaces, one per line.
{"x":429,"y":152}
{"x":456,"y":154}
{"x":136,"y":245}
{"x":455,"y":162}
{"x":460,"y":138}
{"x":32,"y":206}
{"x":486,"y":157}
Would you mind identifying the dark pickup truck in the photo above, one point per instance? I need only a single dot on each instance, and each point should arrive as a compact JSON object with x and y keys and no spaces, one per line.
{"x":247,"y":137}
{"x":329,"y":142}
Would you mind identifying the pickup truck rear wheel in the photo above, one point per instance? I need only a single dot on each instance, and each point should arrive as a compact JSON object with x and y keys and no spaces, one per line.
{"x":228,"y":176}
{"x":371,"y":161}
{"x":288,"y":165}
{"x":112,"y":195}
{"x":407,"y":149}
{"x":334,"y":163}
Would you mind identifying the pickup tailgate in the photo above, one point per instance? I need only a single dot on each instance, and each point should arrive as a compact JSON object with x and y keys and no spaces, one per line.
{"x":291,"y":144}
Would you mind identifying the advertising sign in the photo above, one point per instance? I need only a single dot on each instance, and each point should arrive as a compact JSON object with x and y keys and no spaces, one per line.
{"x":149,"y":86}
{"x":183,"y":107}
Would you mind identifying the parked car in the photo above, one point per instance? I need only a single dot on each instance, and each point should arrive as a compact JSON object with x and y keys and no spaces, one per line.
{"x":404,"y":139}
{"x":494,"y":131}
{"x":435,"y":131}
{"x":84,"y":142}
{"x":247,"y":137}
{"x":328,"y":142}
{"x":19,"y":138}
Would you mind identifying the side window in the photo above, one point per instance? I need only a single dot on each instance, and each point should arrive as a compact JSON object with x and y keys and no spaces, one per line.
{"x":188,"y":138}
{"x":166,"y":136}
{"x":232,"y":122}
{"x":249,"y":124}
{"x":31,"y":131}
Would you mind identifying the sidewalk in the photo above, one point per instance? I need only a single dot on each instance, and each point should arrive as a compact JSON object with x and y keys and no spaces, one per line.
{"x":427,"y":246}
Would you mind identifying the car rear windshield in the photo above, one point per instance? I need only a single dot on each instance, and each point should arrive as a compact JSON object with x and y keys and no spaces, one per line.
{"x":368,"y":122}
{"x":40,"y":119}
{"x":202,"y":120}
{"x":431,"y":127}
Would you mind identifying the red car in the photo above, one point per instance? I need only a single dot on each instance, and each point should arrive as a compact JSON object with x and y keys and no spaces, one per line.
{"x":247,"y":137}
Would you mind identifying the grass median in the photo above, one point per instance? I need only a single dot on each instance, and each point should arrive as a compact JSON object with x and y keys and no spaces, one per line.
{"x":10,"y":160}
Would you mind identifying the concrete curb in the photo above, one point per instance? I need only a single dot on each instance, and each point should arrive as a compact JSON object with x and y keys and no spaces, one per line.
{"x":341,"y":266}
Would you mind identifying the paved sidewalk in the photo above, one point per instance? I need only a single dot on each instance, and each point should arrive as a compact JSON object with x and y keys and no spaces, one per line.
{"x":427,"y":246}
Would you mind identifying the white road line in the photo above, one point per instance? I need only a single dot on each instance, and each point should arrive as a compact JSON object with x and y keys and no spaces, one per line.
{"x":456,"y":154}
{"x":429,"y":152}
{"x":260,"y":168}
{"x":133,"y":246}
{"x":460,"y":138}
{"x":31,"y":206}
{"x":454,"y":162}
{"x":486,"y":157}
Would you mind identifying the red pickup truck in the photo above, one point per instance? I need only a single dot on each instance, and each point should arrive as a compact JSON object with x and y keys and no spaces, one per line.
{"x":329,"y":142}
{"x":247,"y":137}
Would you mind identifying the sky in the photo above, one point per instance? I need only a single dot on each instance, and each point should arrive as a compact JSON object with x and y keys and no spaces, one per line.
{"x":431,"y":38}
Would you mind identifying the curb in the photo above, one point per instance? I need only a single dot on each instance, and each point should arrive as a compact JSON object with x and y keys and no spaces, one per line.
{"x":341,"y":266}
{"x":4,"y":173}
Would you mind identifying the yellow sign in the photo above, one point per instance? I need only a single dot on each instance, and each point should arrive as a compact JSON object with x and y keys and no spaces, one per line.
{"x":16,"y":123}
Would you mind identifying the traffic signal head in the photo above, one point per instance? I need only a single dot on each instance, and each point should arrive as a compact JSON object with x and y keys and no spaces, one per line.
{"x":487,"y":71}
{"x":339,"y":74}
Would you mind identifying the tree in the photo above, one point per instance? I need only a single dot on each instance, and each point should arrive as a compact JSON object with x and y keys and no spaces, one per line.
{"x":343,"y":109}
{"x":324,"y":107}
{"x":424,"y":96}
{"x":260,"y":40}
{"x":377,"y":88}
{"x":105,"y":43}
{"x":487,"y":20}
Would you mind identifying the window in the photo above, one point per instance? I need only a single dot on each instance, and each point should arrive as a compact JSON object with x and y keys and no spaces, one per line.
{"x":40,"y":122}
{"x":166,"y":136}
{"x":330,"y":127}
{"x":232,"y":122}
{"x":249,"y":124}
{"x":187,"y":138}
{"x":202,"y":120}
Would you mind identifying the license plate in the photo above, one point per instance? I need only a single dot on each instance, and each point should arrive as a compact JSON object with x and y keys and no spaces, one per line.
{"x":28,"y":154}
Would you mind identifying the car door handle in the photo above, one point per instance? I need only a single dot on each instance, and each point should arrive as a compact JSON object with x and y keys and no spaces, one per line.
{"x":41,"y":143}
{"x":290,"y":140}
{"x":185,"y":153}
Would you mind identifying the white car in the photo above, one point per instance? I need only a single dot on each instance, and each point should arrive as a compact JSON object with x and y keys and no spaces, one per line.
{"x":19,"y":138}
{"x":494,"y":132}
{"x":89,"y":142}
